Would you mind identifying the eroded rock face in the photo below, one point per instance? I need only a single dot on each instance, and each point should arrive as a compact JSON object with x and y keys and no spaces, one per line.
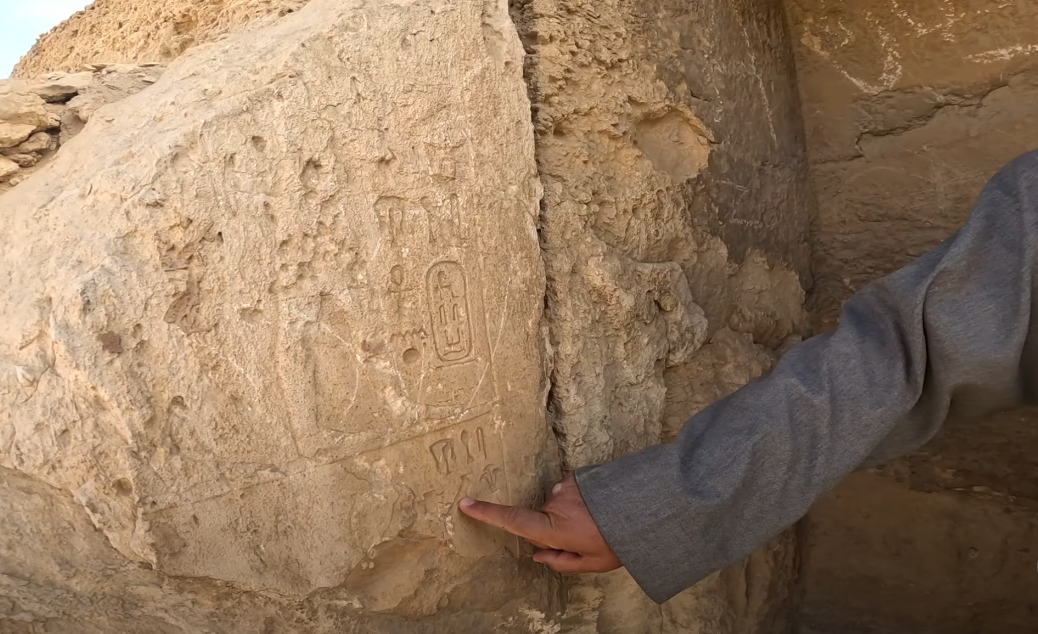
{"x":132,"y":32}
{"x":674,"y":221}
{"x":37,"y":116}
{"x":264,"y":324}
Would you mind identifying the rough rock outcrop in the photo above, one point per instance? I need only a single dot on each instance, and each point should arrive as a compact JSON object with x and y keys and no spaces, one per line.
{"x":673,"y":227}
{"x":264,"y":323}
{"x":134,"y":32}
{"x":38,"y":116}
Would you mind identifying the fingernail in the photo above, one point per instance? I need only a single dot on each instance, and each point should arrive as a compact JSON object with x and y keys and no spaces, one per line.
{"x":466,"y":502}
{"x":556,"y":488}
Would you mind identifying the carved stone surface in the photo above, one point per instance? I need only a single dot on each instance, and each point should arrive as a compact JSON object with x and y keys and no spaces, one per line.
{"x":268,"y":320}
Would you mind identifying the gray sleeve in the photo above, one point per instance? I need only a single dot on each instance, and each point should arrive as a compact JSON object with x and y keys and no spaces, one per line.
{"x":949,"y":337}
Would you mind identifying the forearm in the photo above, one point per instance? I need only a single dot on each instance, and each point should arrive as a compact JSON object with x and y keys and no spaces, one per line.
{"x":948,"y":335}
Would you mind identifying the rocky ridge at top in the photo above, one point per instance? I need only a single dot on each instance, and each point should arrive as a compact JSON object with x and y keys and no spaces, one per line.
{"x":38,"y":116}
{"x":134,"y":32}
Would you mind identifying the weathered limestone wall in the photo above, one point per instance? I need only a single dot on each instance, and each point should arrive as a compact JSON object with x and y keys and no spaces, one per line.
{"x":265,"y":322}
{"x":38,"y":117}
{"x":133,"y":32}
{"x":673,"y":232}
{"x":275,"y":419}
{"x":910,"y":107}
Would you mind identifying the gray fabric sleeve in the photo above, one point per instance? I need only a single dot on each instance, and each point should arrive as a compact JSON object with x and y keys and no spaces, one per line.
{"x":951,"y":336}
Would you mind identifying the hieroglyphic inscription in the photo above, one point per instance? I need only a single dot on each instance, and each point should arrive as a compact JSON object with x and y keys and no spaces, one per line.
{"x":448,"y":308}
{"x":491,"y":477}
{"x":446,"y":228}
{"x":393,"y":219}
{"x":467,"y":459}
{"x":470,"y":445}
{"x":444,"y":455}
{"x":475,"y":445}
{"x":441,"y":163}
{"x":396,"y":289}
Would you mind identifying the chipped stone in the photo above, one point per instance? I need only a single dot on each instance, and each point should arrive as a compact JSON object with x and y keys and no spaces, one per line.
{"x":38,"y":142}
{"x":8,"y":167}
{"x":27,"y":109}
{"x":23,"y":160}
{"x":14,"y":134}
{"x":59,"y":87}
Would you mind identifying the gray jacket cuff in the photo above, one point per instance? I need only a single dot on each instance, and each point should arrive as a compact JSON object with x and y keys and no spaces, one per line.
{"x":642,"y":524}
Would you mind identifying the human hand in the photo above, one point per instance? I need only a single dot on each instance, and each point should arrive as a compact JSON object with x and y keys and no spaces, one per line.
{"x":563,"y":530}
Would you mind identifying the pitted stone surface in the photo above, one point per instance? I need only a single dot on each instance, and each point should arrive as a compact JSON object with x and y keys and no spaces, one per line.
{"x":268,"y":320}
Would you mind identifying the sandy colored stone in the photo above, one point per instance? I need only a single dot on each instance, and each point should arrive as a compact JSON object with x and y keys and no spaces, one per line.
{"x":22,"y":114}
{"x":58,"y":87}
{"x":71,"y":125}
{"x":13,"y":134}
{"x":38,"y":142}
{"x":129,"y":31}
{"x":70,"y":99}
{"x":23,"y":160}
{"x":909,"y":109}
{"x":8,"y":167}
{"x":26,"y":108}
{"x":884,"y":553}
{"x":284,"y":310}
{"x":111,"y":84}
{"x":670,"y":140}
{"x":669,"y":216}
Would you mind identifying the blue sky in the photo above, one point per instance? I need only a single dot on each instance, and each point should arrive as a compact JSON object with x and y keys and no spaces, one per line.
{"x":22,"y":21}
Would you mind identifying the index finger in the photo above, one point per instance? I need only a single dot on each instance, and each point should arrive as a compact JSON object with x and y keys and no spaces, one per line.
{"x":531,"y":525}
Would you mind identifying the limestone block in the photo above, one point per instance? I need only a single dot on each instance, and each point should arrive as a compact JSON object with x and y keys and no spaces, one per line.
{"x":26,"y":109}
{"x":57,"y":87}
{"x":112,"y":84}
{"x":39,"y":142}
{"x":904,"y":130}
{"x":23,"y":160}
{"x":8,"y":167}
{"x":675,"y":213}
{"x":69,"y":99}
{"x":12,"y":134}
{"x":283,"y":310}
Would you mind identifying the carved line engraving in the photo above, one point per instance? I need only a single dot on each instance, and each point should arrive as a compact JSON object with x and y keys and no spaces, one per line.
{"x":473,"y":451}
{"x":448,"y":308}
{"x":444,"y":455}
{"x":474,"y":446}
{"x":393,"y":219}
{"x":396,"y":289}
{"x":491,"y":476}
{"x":445,"y":223}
